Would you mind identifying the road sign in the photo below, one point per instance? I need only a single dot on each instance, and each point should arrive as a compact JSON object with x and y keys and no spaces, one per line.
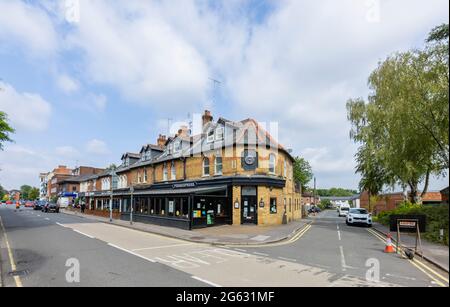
{"x":408,"y":223}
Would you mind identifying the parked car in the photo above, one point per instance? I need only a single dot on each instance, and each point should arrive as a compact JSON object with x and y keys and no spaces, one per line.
{"x":359,"y":216}
{"x":39,"y":205}
{"x":29,"y":204}
{"x":343,"y":210}
{"x":9,"y":202}
{"x":314,"y":210}
{"x":50,"y":207}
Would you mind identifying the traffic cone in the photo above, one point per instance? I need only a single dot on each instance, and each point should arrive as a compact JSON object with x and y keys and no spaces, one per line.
{"x":389,"y":248}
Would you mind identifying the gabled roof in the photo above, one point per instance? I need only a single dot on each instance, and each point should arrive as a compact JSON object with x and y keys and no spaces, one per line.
{"x":131,"y":155}
{"x":152,"y":147}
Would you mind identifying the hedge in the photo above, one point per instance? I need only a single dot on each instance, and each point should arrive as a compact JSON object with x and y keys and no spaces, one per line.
{"x":437,"y":219}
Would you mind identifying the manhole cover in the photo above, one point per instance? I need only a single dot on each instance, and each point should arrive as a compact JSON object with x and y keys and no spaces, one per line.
{"x":19,"y":273}
{"x":197,"y":238}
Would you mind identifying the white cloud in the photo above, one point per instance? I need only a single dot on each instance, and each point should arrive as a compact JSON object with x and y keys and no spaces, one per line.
{"x":26,"y":111}
{"x":131,"y":47}
{"x":97,"y":147}
{"x":67,"y":84}
{"x":99,"y":102}
{"x":27,"y":26}
{"x":67,"y":152}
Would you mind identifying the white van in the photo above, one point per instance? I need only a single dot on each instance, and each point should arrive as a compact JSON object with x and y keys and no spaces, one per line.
{"x":343,"y":210}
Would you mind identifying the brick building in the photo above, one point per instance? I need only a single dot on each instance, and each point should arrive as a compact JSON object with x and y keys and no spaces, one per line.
{"x":390,"y":201}
{"x":231,"y":173}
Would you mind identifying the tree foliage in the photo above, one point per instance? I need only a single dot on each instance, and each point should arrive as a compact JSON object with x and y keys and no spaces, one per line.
{"x":403,"y":127}
{"x":33,"y":194}
{"x":336,"y":192}
{"x":25,"y":191}
{"x":5,"y":129}
{"x":302,"y":172}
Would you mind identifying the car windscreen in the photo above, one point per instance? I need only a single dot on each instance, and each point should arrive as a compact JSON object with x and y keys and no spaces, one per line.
{"x":358,"y":211}
{"x":345,"y":209}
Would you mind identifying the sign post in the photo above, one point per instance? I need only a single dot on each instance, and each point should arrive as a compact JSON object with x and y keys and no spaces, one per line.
{"x":414,"y":224}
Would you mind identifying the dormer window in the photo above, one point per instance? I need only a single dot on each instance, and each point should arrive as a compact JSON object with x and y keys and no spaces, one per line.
{"x":219,"y":133}
{"x":127,"y":161}
{"x":210,"y":138}
{"x":177,"y":146}
{"x":148,"y":155}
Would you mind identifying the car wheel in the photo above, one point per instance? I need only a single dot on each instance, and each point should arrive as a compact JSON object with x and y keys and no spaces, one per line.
{"x":369,"y":225}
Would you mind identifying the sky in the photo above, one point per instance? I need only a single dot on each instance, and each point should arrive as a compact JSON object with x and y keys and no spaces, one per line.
{"x":85,"y":81}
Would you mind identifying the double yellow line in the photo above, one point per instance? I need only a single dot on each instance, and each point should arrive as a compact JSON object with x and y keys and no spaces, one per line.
{"x":293,"y":239}
{"x":17,"y":279}
{"x":427,"y":270}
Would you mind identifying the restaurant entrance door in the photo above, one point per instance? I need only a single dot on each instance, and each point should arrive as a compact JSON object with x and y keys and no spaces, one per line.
{"x":249,"y":205}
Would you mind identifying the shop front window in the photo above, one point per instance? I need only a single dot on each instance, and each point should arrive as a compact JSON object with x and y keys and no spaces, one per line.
{"x":273,"y":205}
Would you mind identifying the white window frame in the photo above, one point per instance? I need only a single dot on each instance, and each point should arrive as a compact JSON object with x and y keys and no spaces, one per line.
{"x":165,"y":174}
{"x":173,"y":171}
{"x":219,"y":136}
{"x":272,"y":164}
{"x":204,"y":166}
{"x":210,"y":135}
{"x":145,"y":175}
{"x":177,"y":147}
{"x":216,"y":172}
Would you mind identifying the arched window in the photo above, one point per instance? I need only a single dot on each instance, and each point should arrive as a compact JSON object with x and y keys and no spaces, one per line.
{"x":205,"y":166}
{"x":272,"y":163}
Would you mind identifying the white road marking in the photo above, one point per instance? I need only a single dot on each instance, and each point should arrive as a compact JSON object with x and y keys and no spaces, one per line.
{"x":39,"y":215}
{"x":206,"y":282}
{"x":343,"y":264}
{"x":287,"y":259}
{"x":337,"y":225}
{"x":241,"y":250}
{"x":339,"y":235}
{"x":84,"y":234}
{"x":59,"y":224}
{"x":47,"y":219}
{"x":130,"y":252}
{"x":162,"y":246}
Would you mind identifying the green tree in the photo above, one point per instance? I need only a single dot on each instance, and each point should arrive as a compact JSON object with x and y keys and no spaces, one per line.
{"x":2,"y":192}
{"x":5,"y":129}
{"x":302,"y":172}
{"x":25,"y":191}
{"x":403,"y":127}
{"x":33,"y":194}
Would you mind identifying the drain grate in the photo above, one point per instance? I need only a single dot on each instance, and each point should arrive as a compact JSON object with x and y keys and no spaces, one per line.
{"x":19,"y":273}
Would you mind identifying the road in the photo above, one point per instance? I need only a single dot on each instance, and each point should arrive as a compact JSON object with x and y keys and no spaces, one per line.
{"x":327,"y":253}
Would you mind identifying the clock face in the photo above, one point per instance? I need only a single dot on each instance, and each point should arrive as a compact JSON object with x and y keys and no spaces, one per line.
{"x":249,"y":160}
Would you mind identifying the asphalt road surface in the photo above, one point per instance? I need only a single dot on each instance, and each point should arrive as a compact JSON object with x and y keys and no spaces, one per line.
{"x":327,"y":253}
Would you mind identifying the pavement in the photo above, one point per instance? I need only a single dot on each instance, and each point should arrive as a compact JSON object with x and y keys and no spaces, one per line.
{"x":218,"y":235}
{"x":325,"y":253}
{"x":438,"y":254}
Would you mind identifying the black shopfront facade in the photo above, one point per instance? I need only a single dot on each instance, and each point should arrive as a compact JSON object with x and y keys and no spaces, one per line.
{"x":188,"y":204}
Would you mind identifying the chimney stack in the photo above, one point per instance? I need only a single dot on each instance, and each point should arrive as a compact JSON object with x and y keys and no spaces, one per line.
{"x":207,"y":117}
{"x":183,"y":131}
{"x":162,"y":140}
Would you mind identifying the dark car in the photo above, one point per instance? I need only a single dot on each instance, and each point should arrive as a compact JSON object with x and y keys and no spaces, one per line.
{"x":39,"y":205}
{"x":314,"y":210}
{"x":51,"y":207}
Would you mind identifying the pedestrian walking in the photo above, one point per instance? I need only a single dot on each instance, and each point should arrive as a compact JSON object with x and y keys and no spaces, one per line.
{"x":83,"y":206}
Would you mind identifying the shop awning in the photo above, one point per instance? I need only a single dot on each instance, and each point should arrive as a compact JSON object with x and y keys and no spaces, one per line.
{"x":196,"y":190}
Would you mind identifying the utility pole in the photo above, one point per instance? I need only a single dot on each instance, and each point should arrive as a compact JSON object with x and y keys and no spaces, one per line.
{"x":314,"y":193}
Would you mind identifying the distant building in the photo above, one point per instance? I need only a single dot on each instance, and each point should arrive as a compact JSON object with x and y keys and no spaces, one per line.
{"x":444,"y":195}
{"x":390,"y":201}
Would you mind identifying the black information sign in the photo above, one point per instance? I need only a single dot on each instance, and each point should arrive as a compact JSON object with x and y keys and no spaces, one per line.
{"x":408,"y":223}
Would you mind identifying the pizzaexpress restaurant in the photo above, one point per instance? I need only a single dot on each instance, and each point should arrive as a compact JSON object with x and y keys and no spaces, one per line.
{"x":196,"y":204}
